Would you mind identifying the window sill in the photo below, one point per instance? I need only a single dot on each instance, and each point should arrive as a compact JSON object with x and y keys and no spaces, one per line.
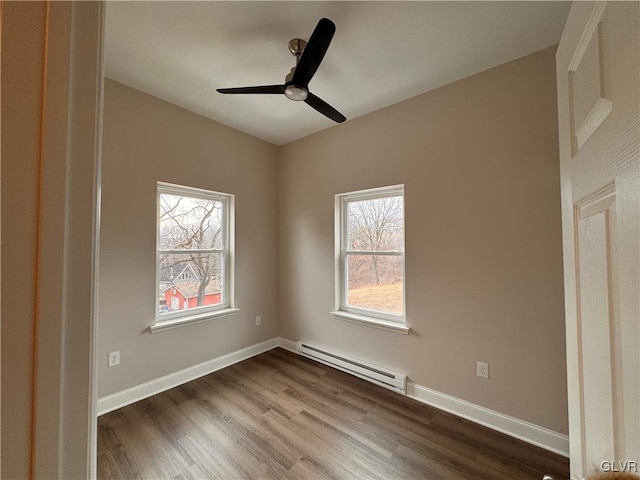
{"x":373,"y":322}
{"x":191,"y":319}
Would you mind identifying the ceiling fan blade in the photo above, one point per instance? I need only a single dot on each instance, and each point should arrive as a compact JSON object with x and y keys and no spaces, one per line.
{"x":314,"y":52}
{"x":324,"y":108}
{"x":259,"y":89}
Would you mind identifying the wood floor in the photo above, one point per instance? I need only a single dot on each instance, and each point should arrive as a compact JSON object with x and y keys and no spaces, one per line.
{"x":281,"y":416}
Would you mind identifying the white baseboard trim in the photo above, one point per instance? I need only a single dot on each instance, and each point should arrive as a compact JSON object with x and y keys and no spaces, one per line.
{"x":139,"y":392}
{"x":528,"y":432}
{"x":287,"y":345}
{"x":514,"y":427}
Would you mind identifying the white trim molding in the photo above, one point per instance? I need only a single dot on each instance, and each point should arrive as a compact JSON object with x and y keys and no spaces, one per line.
{"x":514,"y":427}
{"x":603,"y":106}
{"x":590,"y":124}
{"x":288,"y":345}
{"x":388,"y":325}
{"x":189,"y":320}
{"x":145,"y":390}
{"x":520,"y":429}
{"x":589,"y":31}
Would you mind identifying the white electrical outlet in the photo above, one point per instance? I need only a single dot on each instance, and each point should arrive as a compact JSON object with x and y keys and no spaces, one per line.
{"x":258,"y":320}
{"x":482,"y":369}
{"x":114,"y":358}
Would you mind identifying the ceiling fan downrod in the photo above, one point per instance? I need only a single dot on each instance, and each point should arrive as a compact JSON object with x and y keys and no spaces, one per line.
{"x":293,"y":92}
{"x":296,"y":47}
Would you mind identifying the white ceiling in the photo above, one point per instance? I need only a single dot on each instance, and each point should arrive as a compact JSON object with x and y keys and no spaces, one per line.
{"x":382,"y":53}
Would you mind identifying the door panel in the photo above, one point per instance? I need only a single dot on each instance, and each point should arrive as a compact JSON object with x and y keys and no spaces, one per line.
{"x":596,"y":295}
{"x":599,"y":131}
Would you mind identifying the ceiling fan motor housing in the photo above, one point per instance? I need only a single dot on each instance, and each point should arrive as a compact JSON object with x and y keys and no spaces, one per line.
{"x":296,"y":93}
{"x":293,"y":92}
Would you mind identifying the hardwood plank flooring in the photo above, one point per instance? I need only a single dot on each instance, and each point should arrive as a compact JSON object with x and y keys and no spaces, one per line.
{"x":280,"y":416}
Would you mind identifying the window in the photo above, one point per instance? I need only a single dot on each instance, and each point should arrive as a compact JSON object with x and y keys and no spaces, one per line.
{"x":194,"y":255}
{"x":370,"y":257}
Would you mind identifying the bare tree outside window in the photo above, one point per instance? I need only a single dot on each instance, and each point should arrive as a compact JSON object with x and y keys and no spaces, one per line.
{"x":191,"y":251}
{"x":374,"y":254}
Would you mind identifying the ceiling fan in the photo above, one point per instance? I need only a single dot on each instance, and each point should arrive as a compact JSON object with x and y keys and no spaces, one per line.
{"x":296,"y":83}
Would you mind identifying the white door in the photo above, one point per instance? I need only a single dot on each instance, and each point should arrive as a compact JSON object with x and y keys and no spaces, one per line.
{"x":598,"y":75}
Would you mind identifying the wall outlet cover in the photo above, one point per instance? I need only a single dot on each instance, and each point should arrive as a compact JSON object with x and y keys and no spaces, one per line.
{"x":482,"y":369}
{"x":114,"y":358}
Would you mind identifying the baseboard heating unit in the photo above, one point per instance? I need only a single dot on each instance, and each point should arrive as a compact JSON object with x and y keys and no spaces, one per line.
{"x":372,"y":373}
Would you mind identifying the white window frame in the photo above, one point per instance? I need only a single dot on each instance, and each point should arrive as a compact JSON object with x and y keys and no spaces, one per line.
{"x":206,"y":312}
{"x":374,"y":318}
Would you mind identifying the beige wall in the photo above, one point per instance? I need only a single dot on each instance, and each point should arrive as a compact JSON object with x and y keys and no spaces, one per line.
{"x":479,"y":161}
{"x":147,"y":140}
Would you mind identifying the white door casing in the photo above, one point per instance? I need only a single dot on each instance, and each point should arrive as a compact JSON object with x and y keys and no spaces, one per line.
{"x":598,"y":76}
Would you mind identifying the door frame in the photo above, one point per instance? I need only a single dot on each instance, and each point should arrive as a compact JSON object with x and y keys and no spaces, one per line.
{"x":64,"y":443}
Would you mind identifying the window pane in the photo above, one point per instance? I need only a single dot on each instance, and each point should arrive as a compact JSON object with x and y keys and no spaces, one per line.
{"x":374,"y":282}
{"x":190,"y":280}
{"x":190,"y":223}
{"x":375,"y":225}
